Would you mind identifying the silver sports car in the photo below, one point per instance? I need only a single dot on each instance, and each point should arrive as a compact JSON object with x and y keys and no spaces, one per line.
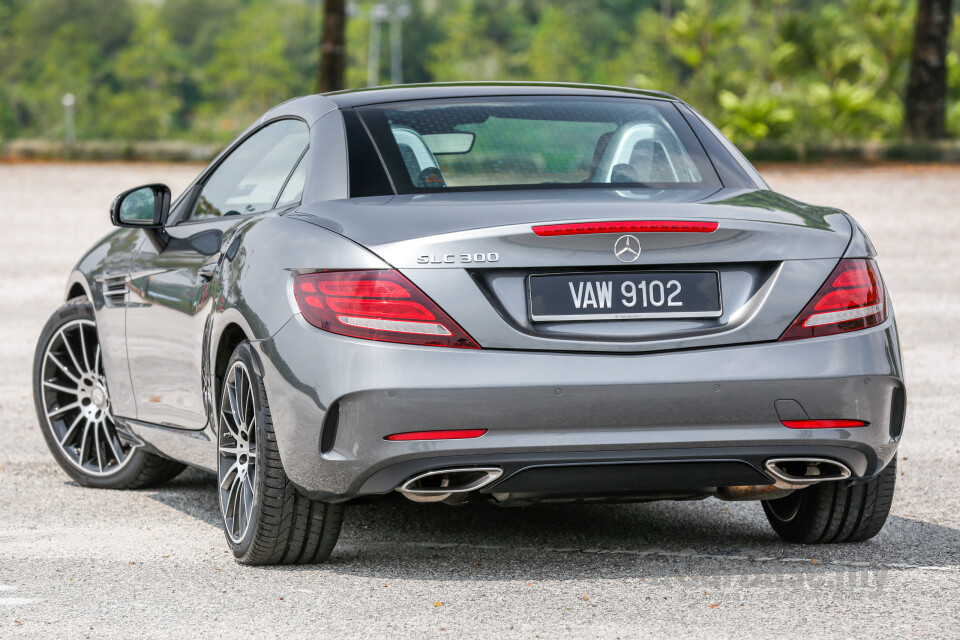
{"x":504,"y":292}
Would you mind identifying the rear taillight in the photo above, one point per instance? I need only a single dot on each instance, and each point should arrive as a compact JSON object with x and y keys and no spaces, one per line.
{"x":376,"y":305}
{"x":852,"y":298}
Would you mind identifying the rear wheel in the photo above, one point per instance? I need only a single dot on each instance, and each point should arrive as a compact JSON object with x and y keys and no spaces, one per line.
{"x":73,"y":407}
{"x":834,"y":511}
{"x":265,"y":518}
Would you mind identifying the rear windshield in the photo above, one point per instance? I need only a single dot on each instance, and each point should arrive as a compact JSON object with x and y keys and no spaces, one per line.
{"x":537,"y":142}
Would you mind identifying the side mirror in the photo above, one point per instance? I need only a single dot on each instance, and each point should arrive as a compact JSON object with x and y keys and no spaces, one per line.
{"x":146,"y":207}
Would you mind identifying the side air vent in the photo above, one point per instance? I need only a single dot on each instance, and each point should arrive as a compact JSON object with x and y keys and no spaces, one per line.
{"x":328,"y":435}
{"x":114,"y":290}
{"x":898,"y":411}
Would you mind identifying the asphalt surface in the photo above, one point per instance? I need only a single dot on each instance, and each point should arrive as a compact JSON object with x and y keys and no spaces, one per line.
{"x":78,"y":562}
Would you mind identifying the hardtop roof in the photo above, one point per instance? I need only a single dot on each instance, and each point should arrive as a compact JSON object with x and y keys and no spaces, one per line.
{"x":399,"y":93}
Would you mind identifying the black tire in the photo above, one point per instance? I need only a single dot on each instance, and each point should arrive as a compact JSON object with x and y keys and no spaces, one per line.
{"x":834,"y":511}
{"x":280,"y":526}
{"x":137,"y":468}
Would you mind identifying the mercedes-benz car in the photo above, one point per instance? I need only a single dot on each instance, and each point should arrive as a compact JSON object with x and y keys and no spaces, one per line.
{"x":504,"y":292}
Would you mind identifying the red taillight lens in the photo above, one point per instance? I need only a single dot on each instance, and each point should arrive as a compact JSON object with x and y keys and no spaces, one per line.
{"x":824,"y":424}
{"x":395,"y":309}
{"x":635,"y":226}
{"x":852,"y":298}
{"x":447,"y":434}
{"x":848,"y":299}
{"x":376,"y":305}
{"x":363,"y":288}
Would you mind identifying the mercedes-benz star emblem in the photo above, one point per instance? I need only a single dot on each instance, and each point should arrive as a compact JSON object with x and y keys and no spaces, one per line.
{"x":627,"y":248}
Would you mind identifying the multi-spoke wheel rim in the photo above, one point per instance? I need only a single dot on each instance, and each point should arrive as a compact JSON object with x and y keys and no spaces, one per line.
{"x":238,"y":452}
{"x":76,"y":401}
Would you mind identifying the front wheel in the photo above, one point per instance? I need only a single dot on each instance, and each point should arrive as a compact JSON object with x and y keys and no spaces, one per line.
{"x":834,"y":511}
{"x":71,"y":395}
{"x":265,"y":518}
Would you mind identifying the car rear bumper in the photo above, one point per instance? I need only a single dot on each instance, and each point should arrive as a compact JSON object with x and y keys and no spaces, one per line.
{"x":587,"y":410}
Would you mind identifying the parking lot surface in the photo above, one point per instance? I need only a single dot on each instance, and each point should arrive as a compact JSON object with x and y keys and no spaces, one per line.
{"x":78,"y":562}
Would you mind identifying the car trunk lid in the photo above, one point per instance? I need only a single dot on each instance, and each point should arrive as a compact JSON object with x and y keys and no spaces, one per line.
{"x":474,"y":253}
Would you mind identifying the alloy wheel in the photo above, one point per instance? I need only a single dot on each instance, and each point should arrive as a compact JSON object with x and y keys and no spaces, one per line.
{"x":77,"y":404}
{"x":236,"y":469}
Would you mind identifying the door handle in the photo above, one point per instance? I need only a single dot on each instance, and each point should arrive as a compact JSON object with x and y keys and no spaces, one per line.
{"x":208,"y":271}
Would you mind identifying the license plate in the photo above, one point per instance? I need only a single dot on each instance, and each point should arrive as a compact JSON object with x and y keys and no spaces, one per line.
{"x":625,"y":296}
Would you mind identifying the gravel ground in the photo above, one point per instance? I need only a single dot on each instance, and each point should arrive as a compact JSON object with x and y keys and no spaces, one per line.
{"x":79,"y":562}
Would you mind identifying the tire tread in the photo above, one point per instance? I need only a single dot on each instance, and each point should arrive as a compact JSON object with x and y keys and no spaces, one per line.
{"x":853,"y":511}
{"x":291,"y":528}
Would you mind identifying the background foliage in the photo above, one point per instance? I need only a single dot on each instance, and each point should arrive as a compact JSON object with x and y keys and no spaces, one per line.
{"x":786,"y":70}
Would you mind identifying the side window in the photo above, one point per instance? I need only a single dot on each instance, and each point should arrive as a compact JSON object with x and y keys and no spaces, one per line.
{"x":249,"y":180}
{"x":293,"y":191}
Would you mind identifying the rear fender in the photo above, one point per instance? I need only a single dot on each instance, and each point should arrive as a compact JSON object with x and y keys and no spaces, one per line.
{"x":254,"y":290}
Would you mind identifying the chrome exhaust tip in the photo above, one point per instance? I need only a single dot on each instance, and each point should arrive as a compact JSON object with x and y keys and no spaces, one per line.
{"x":440,"y":485}
{"x":795,"y":473}
{"x":788,"y":474}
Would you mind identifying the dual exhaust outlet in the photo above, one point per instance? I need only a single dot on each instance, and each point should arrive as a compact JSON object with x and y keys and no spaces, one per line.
{"x":446,"y":485}
{"x":789,"y":474}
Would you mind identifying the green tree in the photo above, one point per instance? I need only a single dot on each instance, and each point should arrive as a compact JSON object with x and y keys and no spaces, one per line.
{"x":485,"y":40}
{"x":70,"y":63}
{"x":55,"y":48}
{"x":195,"y":24}
{"x":144,"y":96}
{"x":9,"y":10}
{"x":788,"y":70}
{"x":249,"y":72}
{"x":557,"y":48}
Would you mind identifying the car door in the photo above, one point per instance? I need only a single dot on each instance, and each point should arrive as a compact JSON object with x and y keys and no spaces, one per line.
{"x":173,"y":276}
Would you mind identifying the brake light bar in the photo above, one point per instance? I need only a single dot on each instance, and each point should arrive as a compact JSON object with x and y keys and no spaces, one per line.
{"x":635,"y":226}
{"x":824,"y":424}
{"x":444,"y":434}
{"x":852,"y":298}
{"x":376,"y":305}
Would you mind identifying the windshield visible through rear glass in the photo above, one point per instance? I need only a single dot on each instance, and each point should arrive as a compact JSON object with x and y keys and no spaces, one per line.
{"x":537,"y":142}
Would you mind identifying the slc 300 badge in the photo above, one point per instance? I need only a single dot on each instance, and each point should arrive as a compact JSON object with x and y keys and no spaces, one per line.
{"x":462,"y":258}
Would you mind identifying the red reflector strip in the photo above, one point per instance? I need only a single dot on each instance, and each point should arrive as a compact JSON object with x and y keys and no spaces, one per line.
{"x":449,"y":434}
{"x":635,"y":226}
{"x":824,"y":424}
